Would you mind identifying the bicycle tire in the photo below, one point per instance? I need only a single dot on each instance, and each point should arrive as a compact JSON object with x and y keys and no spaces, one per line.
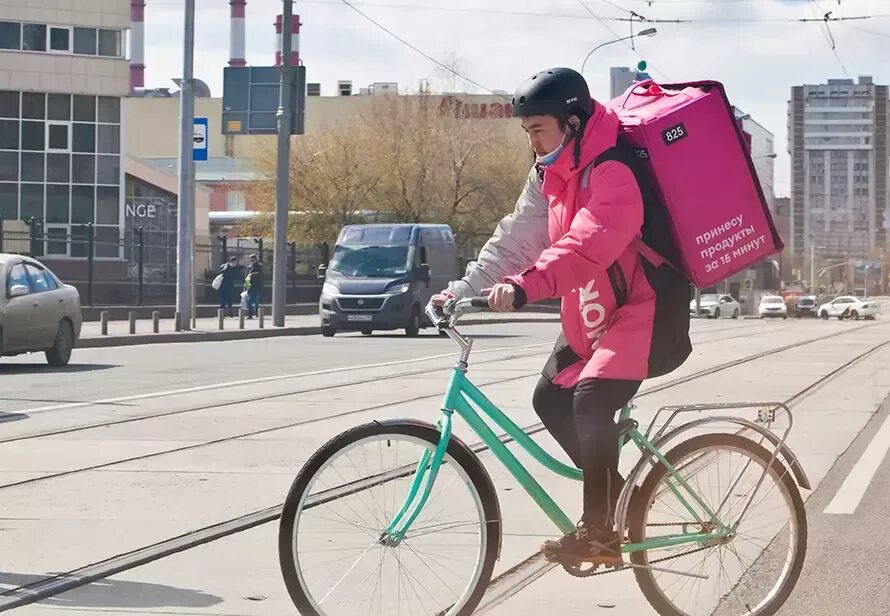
{"x":645,"y":578}
{"x":457,"y":452}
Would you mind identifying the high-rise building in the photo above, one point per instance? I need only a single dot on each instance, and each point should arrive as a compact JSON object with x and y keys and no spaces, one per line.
{"x":620,"y":79}
{"x":63,"y":73}
{"x":837,"y":139}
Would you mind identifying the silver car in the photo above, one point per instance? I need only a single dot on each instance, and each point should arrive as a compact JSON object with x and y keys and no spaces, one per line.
{"x":37,"y":311}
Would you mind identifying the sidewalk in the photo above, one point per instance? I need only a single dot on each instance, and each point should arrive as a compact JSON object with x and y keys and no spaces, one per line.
{"x":207,"y":329}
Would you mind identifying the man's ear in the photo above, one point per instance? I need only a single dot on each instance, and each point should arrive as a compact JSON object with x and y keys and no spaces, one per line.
{"x":574,"y":123}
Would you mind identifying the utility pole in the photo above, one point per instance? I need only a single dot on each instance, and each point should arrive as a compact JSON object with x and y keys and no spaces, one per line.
{"x":282,"y":179}
{"x":812,"y":266}
{"x":186,"y":201}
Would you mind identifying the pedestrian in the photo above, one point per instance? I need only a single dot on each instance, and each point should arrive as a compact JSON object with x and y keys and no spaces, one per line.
{"x":255,"y":285}
{"x":229,"y":272}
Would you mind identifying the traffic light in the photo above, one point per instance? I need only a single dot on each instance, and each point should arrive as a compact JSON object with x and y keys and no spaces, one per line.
{"x":641,"y":73}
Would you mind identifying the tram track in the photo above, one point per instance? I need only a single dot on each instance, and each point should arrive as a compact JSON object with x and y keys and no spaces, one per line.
{"x":518,"y":576}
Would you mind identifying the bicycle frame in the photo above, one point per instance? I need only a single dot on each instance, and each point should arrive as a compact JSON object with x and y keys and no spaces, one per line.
{"x":463,"y":398}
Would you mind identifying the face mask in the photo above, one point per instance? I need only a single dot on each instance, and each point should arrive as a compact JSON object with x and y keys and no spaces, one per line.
{"x":549,"y":159}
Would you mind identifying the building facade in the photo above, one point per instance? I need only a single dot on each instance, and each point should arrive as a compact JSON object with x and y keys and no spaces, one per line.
{"x":63,"y":74}
{"x":837,"y":139}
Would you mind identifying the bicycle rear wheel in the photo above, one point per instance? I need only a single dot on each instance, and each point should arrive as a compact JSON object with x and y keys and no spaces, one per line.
{"x":750,"y":574}
{"x":331,"y":556}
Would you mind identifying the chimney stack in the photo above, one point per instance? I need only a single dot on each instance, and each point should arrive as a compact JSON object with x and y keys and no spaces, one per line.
{"x":237,"y":35}
{"x":137,"y":44}
{"x":295,"y":40}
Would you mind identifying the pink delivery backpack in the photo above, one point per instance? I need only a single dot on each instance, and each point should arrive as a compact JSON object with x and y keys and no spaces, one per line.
{"x":690,"y":148}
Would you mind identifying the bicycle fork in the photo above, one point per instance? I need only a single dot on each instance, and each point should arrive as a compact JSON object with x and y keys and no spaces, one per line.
{"x":419,"y":491}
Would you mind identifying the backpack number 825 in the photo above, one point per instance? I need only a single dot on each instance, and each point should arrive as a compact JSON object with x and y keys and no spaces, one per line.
{"x":674,"y":133}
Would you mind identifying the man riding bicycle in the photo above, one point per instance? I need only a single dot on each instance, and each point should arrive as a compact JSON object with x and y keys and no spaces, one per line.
{"x":573,"y":236}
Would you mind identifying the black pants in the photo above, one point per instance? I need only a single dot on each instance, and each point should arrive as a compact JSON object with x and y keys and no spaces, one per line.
{"x":582,"y":420}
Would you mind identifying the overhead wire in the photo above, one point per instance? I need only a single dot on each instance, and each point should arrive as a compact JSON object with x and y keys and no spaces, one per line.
{"x":618,"y":36}
{"x":423,"y":53}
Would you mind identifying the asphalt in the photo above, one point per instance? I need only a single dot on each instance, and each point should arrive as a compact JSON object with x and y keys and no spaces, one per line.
{"x":129,"y":447}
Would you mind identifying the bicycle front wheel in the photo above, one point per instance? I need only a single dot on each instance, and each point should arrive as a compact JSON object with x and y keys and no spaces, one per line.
{"x":749,"y":573}
{"x":330,"y":549}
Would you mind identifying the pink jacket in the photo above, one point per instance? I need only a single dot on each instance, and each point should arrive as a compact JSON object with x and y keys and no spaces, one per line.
{"x":595,"y":214}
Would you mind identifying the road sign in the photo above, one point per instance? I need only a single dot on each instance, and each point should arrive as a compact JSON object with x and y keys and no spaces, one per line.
{"x":199,"y":140}
{"x":251,"y":97}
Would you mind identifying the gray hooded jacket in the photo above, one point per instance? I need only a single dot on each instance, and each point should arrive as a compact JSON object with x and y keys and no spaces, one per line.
{"x":518,"y":241}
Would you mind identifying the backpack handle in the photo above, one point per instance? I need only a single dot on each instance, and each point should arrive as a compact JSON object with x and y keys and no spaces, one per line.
{"x":651,"y":89}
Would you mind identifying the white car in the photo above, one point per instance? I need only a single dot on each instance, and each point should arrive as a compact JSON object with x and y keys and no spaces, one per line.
{"x":714,"y":306}
{"x":772,"y":306}
{"x":851,"y":307}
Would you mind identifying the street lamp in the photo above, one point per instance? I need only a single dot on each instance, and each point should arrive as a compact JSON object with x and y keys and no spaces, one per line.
{"x":772,"y":156}
{"x":646,"y":32}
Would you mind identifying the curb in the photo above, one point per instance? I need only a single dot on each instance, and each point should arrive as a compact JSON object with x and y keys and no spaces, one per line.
{"x":96,"y":342}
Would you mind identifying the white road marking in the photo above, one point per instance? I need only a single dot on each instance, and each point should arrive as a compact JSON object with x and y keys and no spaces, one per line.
{"x":853,"y":489}
{"x":267,"y":379}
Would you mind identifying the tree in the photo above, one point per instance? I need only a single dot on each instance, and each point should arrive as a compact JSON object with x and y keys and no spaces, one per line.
{"x":405,"y":159}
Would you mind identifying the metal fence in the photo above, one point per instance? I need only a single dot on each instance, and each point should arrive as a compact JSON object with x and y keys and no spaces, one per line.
{"x":140,"y":269}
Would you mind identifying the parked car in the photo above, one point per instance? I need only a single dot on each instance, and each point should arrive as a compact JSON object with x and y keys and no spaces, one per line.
{"x":714,"y":306}
{"x":806,"y":306}
{"x":37,"y":311}
{"x":848,"y":306}
{"x":772,"y":306}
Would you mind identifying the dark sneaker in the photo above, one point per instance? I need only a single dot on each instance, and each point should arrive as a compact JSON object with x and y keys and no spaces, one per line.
{"x":586,"y":545}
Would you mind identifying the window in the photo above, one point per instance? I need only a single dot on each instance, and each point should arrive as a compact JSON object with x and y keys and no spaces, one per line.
{"x":57,"y":203}
{"x":84,"y":139}
{"x":38,"y":279}
{"x":58,"y":137}
{"x":110,"y":43}
{"x":33,"y":164}
{"x":107,"y":205}
{"x":10,"y":35}
{"x":84,"y":169}
{"x":33,"y":136}
{"x":80,"y":240}
{"x":9,"y":134}
{"x":57,"y":167}
{"x":85,"y":41}
{"x":109,"y":139}
{"x":9,"y":104}
{"x":31,"y":201}
{"x":58,"y":106}
{"x":9,"y":167}
{"x":33,"y":106}
{"x":17,"y":276}
{"x":9,"y":201}
{"x":109,"y":110}
{"x":57,"y":241}
{"x":84,"y":108}
{"x":108,"y":170}
{"x":33,"y":37}
{"x":82,"y":204}
{"x":59,"y":39}
{"x":235,"y":201}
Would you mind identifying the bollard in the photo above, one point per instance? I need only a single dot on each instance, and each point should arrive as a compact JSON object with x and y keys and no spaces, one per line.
{"x":241,"y":318}
{"x":221,"y":314}
{"x":176,"y":323}
{"x":156,"y":321}
{"x":131,"y":317}
{"x":260,"y":314}
{"x":103,"y":318}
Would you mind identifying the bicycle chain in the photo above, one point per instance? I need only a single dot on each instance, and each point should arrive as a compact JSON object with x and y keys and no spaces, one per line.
{"x":579,"y":574}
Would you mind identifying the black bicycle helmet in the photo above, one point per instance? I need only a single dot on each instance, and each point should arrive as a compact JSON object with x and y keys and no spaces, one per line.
{"x":559,"y":92}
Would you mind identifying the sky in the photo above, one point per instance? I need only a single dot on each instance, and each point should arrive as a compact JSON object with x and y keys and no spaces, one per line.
{"x":752,"y":46}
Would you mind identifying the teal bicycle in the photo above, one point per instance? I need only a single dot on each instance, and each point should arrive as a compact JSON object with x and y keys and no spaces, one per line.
{"x":401,"y":517}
